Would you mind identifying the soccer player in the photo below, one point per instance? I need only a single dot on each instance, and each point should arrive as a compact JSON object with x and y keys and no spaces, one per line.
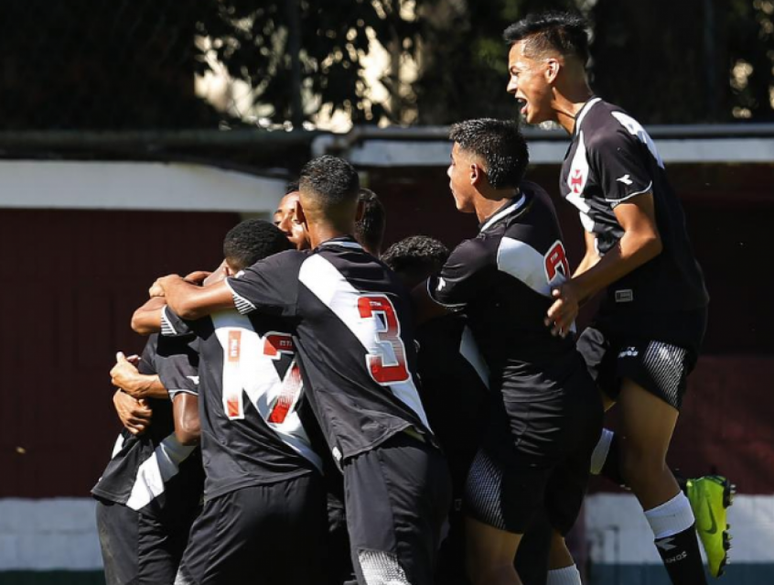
{"x":647,"y":334}
{"x":353,"y":334}
{"x":264,"y":499}
{"x":545,"y":413}
{"x":285,"y":218}
{"x":150,"y":492}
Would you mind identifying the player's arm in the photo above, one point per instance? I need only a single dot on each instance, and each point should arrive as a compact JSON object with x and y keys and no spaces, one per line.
{"x":192,"y":302}
{"x":591,"y":257}
{"x":134,"y":414}
{"x":185,"y":408}
{"x":147,"y":319}
{"x":127,"y":377}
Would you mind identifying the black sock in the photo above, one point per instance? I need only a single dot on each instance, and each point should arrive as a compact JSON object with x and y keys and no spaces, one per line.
{"x":681,"y":557}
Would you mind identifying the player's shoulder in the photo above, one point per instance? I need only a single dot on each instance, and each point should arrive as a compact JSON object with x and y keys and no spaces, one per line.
{"x":605,"y":122}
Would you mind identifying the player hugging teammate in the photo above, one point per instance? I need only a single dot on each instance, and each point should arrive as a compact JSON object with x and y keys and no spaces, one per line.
{"x":424,"y":418}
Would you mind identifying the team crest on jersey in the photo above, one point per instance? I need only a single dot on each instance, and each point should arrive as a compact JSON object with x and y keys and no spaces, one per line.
{"x":576,"y":181}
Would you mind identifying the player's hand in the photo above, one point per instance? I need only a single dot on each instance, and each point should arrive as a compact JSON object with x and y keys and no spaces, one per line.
{"x":197,"y":277}
{"x":563,"y":312}
{"x":124,"y":374}
{"x":157,"y":288}
{"x":134,"y":414}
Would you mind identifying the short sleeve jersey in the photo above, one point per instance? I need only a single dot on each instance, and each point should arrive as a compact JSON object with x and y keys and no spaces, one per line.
{"x":502,"y":281}
{"x":251,"y":392}
{"x":352,"y":330}
{"x":154,"y":466}
{"x":612,"y":160}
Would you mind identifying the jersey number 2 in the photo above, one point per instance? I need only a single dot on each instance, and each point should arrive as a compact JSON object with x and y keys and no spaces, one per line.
{"x":387,"y":332}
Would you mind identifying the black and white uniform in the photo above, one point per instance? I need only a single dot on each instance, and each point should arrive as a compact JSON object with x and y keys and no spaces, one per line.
{"x":545,"y":414}
{"x":353,"y":333}
{"x":264,"y":503}
{"x":455,"y":393}
{"x":150,"y":493}
{"x":651,"y":324}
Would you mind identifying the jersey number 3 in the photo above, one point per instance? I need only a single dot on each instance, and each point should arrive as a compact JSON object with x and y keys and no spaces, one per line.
{"x":384,"y":367}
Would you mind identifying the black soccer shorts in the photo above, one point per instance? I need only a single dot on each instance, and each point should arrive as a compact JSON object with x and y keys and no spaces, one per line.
{"x":397,"y":496}
{"x":271,"y":534}
{"x":536,"y":455}
{"x":656,"y":351}
{"x":141,"y":547}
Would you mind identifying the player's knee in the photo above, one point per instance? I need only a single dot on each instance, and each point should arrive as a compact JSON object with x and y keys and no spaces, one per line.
{"x":639,"y":465}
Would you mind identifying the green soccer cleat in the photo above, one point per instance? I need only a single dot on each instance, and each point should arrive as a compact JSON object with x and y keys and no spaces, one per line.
{"x":710,"y":496}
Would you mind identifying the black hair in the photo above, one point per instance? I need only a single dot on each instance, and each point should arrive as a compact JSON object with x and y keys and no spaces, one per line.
{"x":369,"y":230}
{"x":415,"y":258}
{"x":253,"y":240}
{"x":563,"y":32}
{"x":330,"y":179}
{"x":501,"y":146}
{"x":291,"y":187}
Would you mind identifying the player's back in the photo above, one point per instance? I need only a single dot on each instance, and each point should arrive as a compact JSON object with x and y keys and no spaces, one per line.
{"x":251,"y":432}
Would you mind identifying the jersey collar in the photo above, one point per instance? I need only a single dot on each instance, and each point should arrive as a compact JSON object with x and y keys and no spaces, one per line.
{"x":516,"y":204}
{"x":343,"y":242}
{"x":582,"y":114}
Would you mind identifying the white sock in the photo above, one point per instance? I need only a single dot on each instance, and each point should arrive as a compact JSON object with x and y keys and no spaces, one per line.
{"x":671,"y":517}
{"x":567,"y":576}
{"x":599,"y":456}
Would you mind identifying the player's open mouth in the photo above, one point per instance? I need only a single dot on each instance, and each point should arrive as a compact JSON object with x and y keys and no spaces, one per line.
{"x":523,"y":106}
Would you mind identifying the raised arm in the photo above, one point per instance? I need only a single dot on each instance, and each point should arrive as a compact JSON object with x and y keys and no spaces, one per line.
{"x":190,"y":301}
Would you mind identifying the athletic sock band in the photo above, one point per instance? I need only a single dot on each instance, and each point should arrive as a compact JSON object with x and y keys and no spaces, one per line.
{"x":566,"y":576}
{"x":671,"y":517}
{"x":599,"y":456}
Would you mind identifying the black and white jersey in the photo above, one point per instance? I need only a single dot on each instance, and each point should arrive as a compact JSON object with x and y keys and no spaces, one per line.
{"x":611,"y":160}
{"x":352,"y":329}
{"x":502,"y":281}
{"x":155,"y":467}
{"x":251,"y":390}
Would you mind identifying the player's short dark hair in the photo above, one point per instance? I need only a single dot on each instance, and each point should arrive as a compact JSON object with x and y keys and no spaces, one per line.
{"x":331,"y":179}
{"x":253,"y":240}
{"x":501,"y":146}
{"x":369,"y":231}
{"x":416,"y":257}
{"x":291,"y":187}
{"x":563,"y":32}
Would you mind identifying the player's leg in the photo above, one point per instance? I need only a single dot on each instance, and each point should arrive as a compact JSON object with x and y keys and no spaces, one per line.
{"x":533,"y":556}
{"x":490,"y":554}
{"x":397,"y":496}
{"x":647,"y":424}
{"x":117,"y":528}
{"x":561,"y":568}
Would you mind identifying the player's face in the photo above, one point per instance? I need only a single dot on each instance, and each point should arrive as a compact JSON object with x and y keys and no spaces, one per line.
{"x":459,"y":180}
{"x":529,"y":83}
{"x":285,"y":219}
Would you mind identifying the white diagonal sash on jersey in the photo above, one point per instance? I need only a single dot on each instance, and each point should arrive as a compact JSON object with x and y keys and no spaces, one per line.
{"x":469,"y":350}
{"x":331,"y":287}
{"x":155,"y":471}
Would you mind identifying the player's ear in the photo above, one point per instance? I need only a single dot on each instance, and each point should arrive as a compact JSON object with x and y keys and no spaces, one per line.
{"x":298,"y":211}
{"x":476,"y":174}
{"x":360,"y":211}
{"x":552,"y":69}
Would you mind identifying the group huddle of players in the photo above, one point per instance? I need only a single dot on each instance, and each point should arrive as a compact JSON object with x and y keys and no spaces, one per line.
{"x":315,"y":411}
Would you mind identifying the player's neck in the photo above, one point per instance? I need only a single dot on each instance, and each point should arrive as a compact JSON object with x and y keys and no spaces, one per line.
{"x":568,"y":104}
{"x":322,"y":232}
{"x":494,"y":201}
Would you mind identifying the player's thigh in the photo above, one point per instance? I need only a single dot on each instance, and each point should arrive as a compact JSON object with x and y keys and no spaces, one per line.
{"x":117,"y":527}
{"x":489,"y":546}
{"x":160,"y":547}
{"x":647,"y":422}
{"x":397,"y":497}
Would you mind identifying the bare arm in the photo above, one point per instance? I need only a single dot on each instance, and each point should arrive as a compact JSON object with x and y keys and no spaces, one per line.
{"x":640,"y":243}
{"x":591,"y":257}
{"x":134,"y":414}
{"x":185,"y":408}
{"x":190,"y":301}
{"x":125,"y":376}
{"x":147,"y":319}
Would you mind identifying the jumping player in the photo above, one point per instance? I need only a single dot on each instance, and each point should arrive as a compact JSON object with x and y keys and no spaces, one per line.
{"x":545,"y":413}
{"x":648,"y":332}
{"x":352,"y":331}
